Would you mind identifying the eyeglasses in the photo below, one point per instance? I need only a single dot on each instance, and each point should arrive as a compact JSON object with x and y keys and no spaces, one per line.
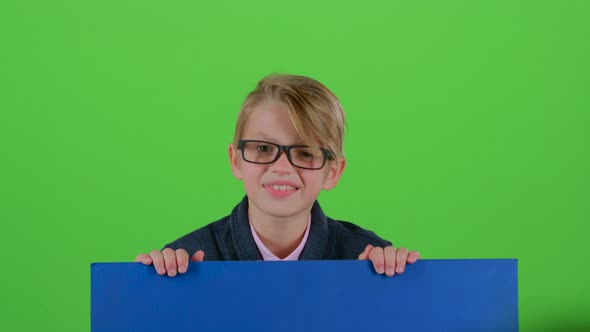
{"x":301,"y":156}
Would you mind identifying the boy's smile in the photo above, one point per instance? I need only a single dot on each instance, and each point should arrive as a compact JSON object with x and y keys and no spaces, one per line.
{"x":280,"y":189}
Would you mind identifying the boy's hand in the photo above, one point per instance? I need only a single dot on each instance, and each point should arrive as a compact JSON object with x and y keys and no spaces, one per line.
{"x":169,"y":261}
{"x":389,"y":259}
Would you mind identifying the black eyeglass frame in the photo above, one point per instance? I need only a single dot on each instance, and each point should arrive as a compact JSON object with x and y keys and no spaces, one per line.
{"x":287,"y":148}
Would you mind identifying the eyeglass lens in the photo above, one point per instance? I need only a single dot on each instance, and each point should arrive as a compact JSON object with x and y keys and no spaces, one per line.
{"x":260,"y":152}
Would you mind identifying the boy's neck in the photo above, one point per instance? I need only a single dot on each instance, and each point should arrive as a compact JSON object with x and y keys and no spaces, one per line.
{"x":280,"y":235}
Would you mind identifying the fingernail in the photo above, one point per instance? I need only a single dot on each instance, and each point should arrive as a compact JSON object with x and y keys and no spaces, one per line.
{"x":380,"y":270}
{"x":390,"y":272}
{"x":399,"y":270}
{"x":182,"y":269}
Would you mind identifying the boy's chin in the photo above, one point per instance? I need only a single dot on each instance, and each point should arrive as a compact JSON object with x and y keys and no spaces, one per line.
{"x":282,"y":209}
{"x":286,"y":208}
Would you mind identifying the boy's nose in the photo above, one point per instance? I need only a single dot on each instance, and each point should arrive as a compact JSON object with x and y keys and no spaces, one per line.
{"x":282,"y":164}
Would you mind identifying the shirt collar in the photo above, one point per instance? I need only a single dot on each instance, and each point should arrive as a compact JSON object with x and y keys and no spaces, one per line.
{"x":267,"y":255}
{"x":315,"y":248}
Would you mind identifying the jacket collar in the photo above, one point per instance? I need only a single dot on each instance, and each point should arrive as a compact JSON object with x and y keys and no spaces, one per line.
{"x":246,"y":249}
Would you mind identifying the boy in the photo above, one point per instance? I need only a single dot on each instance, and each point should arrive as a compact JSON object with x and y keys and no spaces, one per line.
{"x":287,"y":147}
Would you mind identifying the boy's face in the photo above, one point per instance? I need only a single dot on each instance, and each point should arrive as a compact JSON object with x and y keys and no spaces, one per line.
{"x":299,"y":187}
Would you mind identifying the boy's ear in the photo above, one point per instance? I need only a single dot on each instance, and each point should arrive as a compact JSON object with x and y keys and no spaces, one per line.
{"x":335,"y":169}
{"x":233,"y":159}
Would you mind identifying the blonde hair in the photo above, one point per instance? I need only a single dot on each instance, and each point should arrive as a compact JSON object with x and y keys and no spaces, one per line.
{"x":316,"y":113}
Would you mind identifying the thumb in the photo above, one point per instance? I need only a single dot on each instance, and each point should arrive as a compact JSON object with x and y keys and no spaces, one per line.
{"x":365,"y":254}
{"x":198,"y":256}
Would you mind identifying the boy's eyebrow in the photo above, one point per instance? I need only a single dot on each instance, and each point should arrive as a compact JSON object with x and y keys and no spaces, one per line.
{"x":264,"y":136}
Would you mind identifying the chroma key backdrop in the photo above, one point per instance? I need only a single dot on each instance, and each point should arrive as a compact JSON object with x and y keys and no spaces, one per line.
{"x":468,"y":134}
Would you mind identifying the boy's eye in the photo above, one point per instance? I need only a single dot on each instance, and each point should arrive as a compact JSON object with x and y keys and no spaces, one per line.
{"x":305,"y":154}
{"x":264,"y":148}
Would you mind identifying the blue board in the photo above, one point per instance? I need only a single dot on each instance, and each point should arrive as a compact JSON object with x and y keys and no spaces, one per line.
{"x":431,"y":295}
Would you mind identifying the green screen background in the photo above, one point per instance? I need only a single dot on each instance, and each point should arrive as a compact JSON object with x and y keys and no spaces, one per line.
{"x":467,"y":137}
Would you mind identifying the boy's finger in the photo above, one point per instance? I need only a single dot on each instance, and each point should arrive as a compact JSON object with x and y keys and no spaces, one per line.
{"x":144,"y":258}
{"x":401,"y":258}
{"x":158,"y":260}
{"x":182,"y":260}
{"x":198,"y":256}
{"x":390,"y":262}
{"x":170,"y":261}
{"x":413,"y":256}
{"x":365,"y":254}
{"x":376,"y":256}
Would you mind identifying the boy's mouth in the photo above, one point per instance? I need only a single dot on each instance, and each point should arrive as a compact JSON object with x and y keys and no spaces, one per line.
{"x":280,"y":190}
{"x":284,"y":187}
